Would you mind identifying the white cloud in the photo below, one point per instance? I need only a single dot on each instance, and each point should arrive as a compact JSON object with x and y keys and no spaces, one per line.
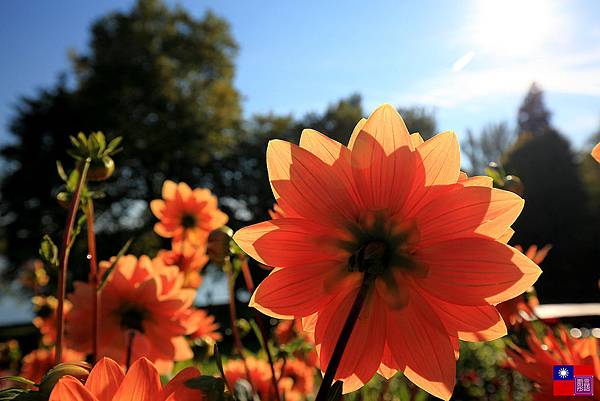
{"x":463,"y":61}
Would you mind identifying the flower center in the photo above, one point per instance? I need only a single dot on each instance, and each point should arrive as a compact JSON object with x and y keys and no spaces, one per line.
{"x":188,"y":220}
{"x":378,"y":245}
{"x":132,"y":317}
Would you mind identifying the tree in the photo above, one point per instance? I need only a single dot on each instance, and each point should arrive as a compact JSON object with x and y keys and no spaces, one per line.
{"x":419,"y":119}
{"x":155,"y":75}
{"x":555,"y":207}
{"x":533,"y":116}
{"x":493,"y":141}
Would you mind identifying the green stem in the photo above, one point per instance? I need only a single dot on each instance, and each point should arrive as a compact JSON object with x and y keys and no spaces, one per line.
{"x":342,"y":341}
{"x":64,"y":260}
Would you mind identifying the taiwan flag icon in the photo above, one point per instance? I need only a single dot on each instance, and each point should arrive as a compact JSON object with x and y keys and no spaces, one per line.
{"x":570,"y":380}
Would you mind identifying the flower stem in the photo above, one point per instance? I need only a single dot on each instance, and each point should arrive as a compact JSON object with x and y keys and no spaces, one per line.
{"x":237,"y":342}
{"x":64,"y":260}
{"x":93,"y":278}
{"x":342,"y":341}
{"x":261,"y":326}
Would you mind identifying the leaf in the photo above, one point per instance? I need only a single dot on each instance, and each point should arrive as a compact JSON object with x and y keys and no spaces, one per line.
{"x":77,"y":229}
{"x":213,"y":388}
{"x":101,"y":141}
{"x":18,"y":379}
{"x":112,"y":145}
{"x":73,"y":180}
{"x":49,"y":251}
{"x":61,"y":171}
{"x":108,"y":271}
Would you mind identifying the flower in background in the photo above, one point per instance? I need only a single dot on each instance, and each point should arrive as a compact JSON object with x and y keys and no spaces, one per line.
{"x":259,"y":372}
{"x":108,"y":382}
{"x":189,"y":259}
{"x":289,"y":331}
{"x":207,"y":328}
{"x":141,"y":298}
{"x":186,"y":214}
{"x":38,"y":362}
{"x":299,"y":377}
{"x":536,"y":363}
{"x":519,"y":309}
{"x":596,"y":152}
{"x":45,"y":319}
{"x":390,"y":207}
{"x":33,"y":275}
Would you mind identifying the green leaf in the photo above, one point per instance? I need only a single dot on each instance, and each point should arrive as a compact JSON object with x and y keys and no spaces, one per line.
{"x":61,"y":171}
{"x":101,"y":141}
{"x":77,"y":229}
{"x":114,"y":263}
{"x":49,"y":251}
{"x":213,"y":388}
{"x":18,"y":379}
{"x":112,"y":145}
{"x":73,"y":180}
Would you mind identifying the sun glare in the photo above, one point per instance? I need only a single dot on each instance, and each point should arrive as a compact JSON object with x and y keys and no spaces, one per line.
{"x":512,"y":27}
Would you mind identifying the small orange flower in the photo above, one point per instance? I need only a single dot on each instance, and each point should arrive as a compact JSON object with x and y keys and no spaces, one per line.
{"x":108,"y":382}
{"x":140,"y":297}
{"x":40,"y":361}
{"x":259,"y":371}
{"x":519,"y":309}
{"x":188,"y":258}
{"x":537,"y":362}
{"x":45,"y":319}
{"x":186,"y":214}
{"x":207,"y":328}
{"x":596,"y":152}
{"x":396,"y":210}
{"x":290,"y":330}
{"x":300,"y":378}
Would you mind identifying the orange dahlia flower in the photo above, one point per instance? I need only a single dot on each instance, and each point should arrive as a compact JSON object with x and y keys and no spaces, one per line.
{"x":38,"y":362}
{"x":140,"y":297}
{"x":596,"y":152}
{"x":300,"y":377}
{"x":537,"y":362}
{"x":259,"y":372}
{"x":108,"y":382}
{"x":186,"y":214}
{"x":189,"y":259}
{"x":45,"y":319}
{"x":207,"y":327}
{"x":391,"y":218}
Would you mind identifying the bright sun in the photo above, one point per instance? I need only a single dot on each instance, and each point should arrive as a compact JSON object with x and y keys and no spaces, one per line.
{"x":512,"y":27}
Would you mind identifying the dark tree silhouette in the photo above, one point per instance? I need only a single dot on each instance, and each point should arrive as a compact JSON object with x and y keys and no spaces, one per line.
{"x":533,"y":116}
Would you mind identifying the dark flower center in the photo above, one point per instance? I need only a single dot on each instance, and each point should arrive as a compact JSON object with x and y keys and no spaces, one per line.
{"x":188,"y":221}
{"x":132,"y":317}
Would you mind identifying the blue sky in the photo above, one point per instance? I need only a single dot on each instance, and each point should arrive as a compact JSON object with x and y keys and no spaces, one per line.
{"x":470,"y":61}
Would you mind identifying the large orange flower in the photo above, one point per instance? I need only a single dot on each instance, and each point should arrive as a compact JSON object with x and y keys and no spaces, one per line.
{"x":537,"y":362}
{"x":186,"y":214}
{"x":40,"y":361}
{"x":139,"y":297}
{"x":108,"y":382}
{"x":396,"y":210}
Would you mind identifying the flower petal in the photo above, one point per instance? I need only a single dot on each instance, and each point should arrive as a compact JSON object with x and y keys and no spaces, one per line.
{"x":309,"y":186}
{"x":169,"y":189}
{"x":177,"y":389}
{"x":69,"y":388}
{"x":475,"y":271}
{"x":289,"y":242}
{"x":365,"y":346}
{"x":438,"y":165}
{"x":470,"y":323}
{"x":303,"y":291}
{"x":359,"y":125}
{"x":105,"y":379}
{"x":141,"y":383}
{"x":157,"y":206}
{"x":467,"y":212}
{"x":422,"y":348}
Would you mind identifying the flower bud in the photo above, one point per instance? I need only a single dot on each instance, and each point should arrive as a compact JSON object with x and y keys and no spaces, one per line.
{"x":218,"y":244}
{"x":79,"y":370}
